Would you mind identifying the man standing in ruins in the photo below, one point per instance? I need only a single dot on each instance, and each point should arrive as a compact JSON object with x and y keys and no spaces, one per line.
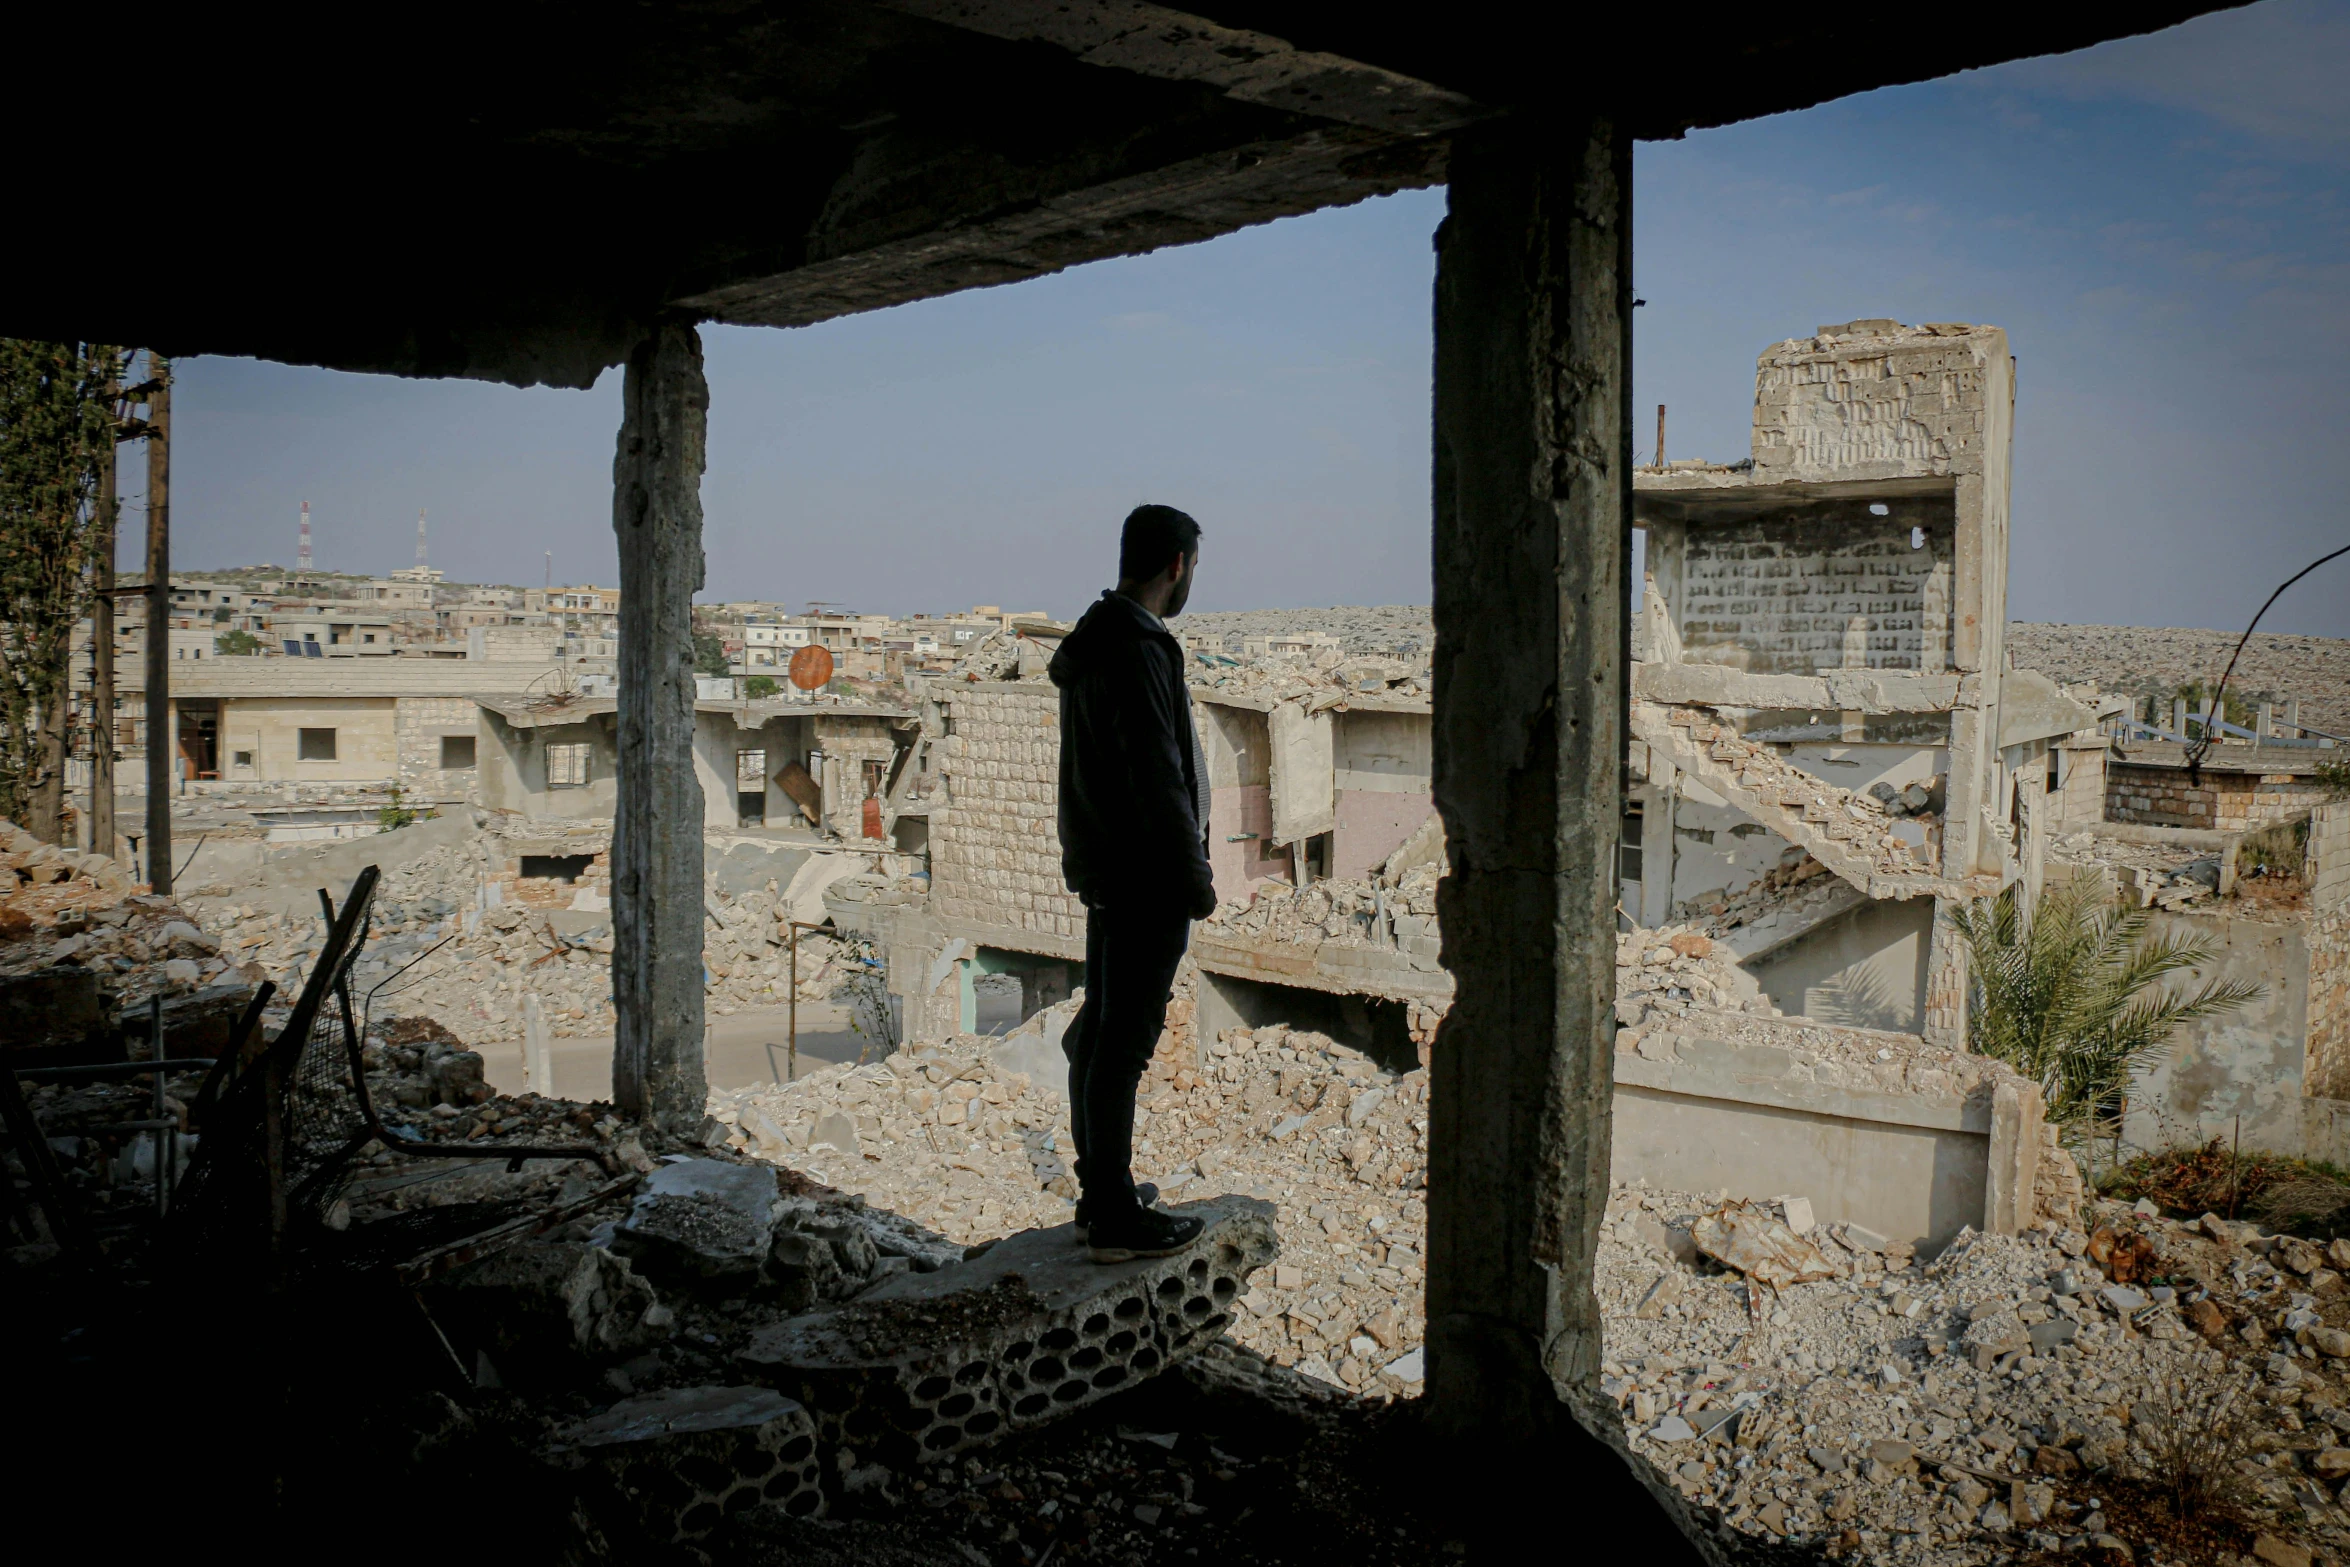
{"x":1134,"y":811}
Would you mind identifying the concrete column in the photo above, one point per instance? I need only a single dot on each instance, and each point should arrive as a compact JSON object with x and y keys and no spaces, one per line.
{"x":1533,"y":496}
{"x":1944,"y":1022}
{"x":657,"y":827}
{"x":163,"y":738}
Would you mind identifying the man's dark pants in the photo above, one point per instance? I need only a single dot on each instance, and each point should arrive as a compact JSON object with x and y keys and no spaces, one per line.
{"x":1131,"y":952}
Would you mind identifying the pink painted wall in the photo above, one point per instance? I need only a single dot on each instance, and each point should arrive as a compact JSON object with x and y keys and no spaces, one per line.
{"x":1247,"y":808}
{"x":1372,"y":824}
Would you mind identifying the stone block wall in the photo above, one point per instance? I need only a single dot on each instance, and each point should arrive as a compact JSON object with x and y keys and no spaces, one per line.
{"x":995,"y":857}
{"x":1794,"y":593}
{"x":1877,"y":399}
{"x":2227,"y":802}
{"x":418,"y":723}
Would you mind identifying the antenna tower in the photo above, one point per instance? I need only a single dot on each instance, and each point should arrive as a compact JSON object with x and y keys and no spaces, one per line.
{"x":302,"y":553}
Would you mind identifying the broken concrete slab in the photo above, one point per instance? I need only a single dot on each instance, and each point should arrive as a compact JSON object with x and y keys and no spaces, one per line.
{"x":702,"y":1223}
{"x":679,"y":1462}
{"x":821,"y":1252}
{"x":1761,"y":1247}
{"x":925,"y":1365}
{"x":542,"y":1308}
{"x":836,"y":1132}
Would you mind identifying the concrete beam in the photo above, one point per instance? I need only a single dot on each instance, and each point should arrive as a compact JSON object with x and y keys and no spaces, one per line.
{"x":657,"y":830}
{"x":1533,"y":490}
{"x":1335,"y":969}
{"x":1157,"y":41}
{"x":881,"y":240}
{"x":1835,"y":691}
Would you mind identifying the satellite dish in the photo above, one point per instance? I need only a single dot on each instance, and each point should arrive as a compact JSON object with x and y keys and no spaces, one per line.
{"x":811,"y":668}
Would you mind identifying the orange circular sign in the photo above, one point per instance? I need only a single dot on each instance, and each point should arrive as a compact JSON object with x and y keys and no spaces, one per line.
{"x":811,"y":668}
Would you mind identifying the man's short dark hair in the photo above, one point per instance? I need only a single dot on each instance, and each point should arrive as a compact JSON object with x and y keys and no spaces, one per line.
{"x":1153,"y":536}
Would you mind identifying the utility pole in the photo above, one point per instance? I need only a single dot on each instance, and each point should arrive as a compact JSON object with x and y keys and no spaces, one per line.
{"x":161,"y":742}
{"x":102,"y":642}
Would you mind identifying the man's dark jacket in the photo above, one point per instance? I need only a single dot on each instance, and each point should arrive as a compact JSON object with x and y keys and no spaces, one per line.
{"x":1133,"y":798}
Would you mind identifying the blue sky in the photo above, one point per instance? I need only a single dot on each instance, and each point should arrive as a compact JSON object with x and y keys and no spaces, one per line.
{"x":2160,"y":224}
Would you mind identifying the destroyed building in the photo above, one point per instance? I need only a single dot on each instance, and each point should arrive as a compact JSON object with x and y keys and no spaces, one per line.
{"x":685,"y":1386}
{"x":1819,"y":679}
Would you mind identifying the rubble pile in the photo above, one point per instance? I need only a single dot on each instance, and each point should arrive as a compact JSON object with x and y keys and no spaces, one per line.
{"x":1351,"y":911}
{"x":2167,"y":876}
{"x":1675,"y":970}
{"x":39,"y":881}
{"x":1330,"y":679}
{"x":1994,"y":1397}
{"x":483,"y":961}
{"x":961,"y":1145}
{"x":139,"y":947}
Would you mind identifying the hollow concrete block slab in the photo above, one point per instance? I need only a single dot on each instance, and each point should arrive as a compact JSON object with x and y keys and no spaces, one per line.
{"x":928,"y":1364}
{"x":676,"y":1463}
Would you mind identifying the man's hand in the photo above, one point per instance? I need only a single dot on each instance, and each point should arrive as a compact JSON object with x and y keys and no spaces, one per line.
{"x":1203,"y":900}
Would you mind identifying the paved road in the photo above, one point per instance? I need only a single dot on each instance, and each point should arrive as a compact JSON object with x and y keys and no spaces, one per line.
{"x":736,"y":1052}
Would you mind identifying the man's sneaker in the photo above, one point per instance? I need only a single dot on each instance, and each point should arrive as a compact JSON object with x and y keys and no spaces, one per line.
{"x":1144,"y":1193}
{"x":1147,"y":1233}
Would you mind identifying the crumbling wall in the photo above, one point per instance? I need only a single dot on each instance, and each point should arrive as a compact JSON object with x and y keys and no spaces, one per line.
{"x":848,"y":742}
{"x":2164,"y":796}
{"x":2240,"y":1073}
{"x":2328,"y":937}
{"x":2079,"y":798}
{"x":1384,"y":765}
{"x":1875,"y":399}
{"x":995,"y":855}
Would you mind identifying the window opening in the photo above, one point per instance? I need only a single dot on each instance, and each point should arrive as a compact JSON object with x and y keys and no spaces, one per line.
{"x":316,"y":745}
{"x":567,"y":766}
{"x":456,"y":752}
{"x":555,"y":867}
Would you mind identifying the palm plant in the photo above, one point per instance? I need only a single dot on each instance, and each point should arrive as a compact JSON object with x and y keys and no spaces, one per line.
{"x":2069,"y":992}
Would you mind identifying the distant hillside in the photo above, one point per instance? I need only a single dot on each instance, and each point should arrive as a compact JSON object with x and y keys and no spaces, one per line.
{"x":2156,"y":660}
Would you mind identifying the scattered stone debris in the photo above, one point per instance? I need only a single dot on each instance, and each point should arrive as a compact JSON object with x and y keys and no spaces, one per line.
{"x":2167,"y":876}
{"x":1675,"y":970}
{"x":83,"y":912}
{"x":39,"y":881}
{"x":959,"y":1143}
{"x":1996,"y":1398}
